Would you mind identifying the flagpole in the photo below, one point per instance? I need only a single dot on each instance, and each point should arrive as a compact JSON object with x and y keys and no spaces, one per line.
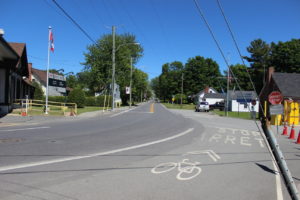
{"x":48,"y":64}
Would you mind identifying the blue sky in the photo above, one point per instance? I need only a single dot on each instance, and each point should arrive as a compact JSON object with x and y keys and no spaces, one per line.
{"x":168,"y":30}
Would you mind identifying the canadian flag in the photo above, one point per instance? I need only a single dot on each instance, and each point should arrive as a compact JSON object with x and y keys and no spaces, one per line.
{"x":51,"y":41}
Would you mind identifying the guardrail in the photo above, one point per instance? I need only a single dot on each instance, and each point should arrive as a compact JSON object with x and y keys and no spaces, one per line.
{"x":36,"y":107}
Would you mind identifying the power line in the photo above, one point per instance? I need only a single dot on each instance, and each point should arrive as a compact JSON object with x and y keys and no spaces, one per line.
{"x":74,"y":22}
{"x":235,"y":43}
{"x":221,"y":51}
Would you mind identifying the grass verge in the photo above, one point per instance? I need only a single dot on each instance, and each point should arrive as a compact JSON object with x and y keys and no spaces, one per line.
{"x":241,"y":115}
{"x":177,"y":106}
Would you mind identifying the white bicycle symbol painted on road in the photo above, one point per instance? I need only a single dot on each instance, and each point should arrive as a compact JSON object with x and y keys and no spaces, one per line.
{"x":186,"y":170}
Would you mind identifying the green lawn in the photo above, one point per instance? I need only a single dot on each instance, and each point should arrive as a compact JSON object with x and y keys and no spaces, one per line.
{"x":242,"y":115}
{"x":177,"y":106}
{"x":57,"y":111}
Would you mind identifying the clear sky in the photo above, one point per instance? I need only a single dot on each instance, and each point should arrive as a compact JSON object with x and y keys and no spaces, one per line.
{"x":168,"y":30}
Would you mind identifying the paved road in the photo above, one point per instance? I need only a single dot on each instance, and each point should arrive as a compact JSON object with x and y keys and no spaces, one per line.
{"x":145,"y":153}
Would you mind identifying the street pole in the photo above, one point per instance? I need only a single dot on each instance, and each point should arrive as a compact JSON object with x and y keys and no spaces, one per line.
{"x":130,"y":82}
{"x":181,"y":90}
{"x":227,"y":94}
{"x":47,"y":82}
{"x":113,"y":68}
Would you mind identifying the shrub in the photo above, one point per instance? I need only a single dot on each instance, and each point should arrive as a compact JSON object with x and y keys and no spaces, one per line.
{"x":178,"y":98}
{"x":77,"y":96}
{"x":38,"y":92}
{"x":97,"y":101}
{"x":61,"y":99}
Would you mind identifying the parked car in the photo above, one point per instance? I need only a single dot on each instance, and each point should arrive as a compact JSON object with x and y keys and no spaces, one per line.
{"x":217,"y":105}
{"x":202,"y":106}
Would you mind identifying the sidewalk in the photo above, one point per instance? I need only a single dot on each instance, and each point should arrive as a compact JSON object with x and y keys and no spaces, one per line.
{"x":290,"y":150}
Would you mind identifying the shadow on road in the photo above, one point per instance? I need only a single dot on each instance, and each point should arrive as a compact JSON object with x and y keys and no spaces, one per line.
{"x":267,"y":169}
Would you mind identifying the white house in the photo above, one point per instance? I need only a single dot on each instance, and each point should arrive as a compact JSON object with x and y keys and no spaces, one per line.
{"x":213,"y":98}
{"x":242,"y":101}
{"x":199,"y":96}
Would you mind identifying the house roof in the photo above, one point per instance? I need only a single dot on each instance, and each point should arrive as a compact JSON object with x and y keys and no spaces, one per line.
{"x":288,"y":83}
{"x":18,"y":47}
{"x":202,"y":91}
{"x":41,"y":75}
{"x":242,"y":94}
{"x":7,"y":52}
{"x":214,"y":96}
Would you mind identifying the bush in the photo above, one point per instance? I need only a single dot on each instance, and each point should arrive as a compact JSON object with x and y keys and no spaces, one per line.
{"x":38,"y":92}
{"x":61,"y":99}
{"x":178,"y":98}
{"x":97,"y":101}
{"x":77,"y":96}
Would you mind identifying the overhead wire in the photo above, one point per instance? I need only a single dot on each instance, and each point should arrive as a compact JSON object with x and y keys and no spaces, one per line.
{"x":222,"y":53}
{"x":262,"y":135}
{"x":237,"y":47}
{"x":74,"y":22}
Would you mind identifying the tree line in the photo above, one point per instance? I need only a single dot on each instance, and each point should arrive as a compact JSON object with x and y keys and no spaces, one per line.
{"x":96,"y":77}
{"x":199,"y":72}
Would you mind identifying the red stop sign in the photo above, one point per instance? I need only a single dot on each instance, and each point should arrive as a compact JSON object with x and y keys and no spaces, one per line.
{"x":275,"y":97}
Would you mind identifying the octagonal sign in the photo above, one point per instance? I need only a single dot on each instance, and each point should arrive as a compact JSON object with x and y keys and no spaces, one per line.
{"x":275,"y":97}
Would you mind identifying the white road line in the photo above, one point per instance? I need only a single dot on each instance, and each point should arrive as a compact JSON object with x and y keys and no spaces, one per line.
{"x":278,"y":181}
{"x":24,"y":129}
{"x":34,"y":164}
{"x":125,"y":111}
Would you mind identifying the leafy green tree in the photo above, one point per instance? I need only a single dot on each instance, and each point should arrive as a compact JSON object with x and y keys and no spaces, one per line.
{"x":259,"y":59}
{"x":98,"y":61}
{"x":200,"y":72}
{"x":239,"y":72}
{"x":71,"y":81}
{"x":38,"y":92}
{"x":285,"y":56}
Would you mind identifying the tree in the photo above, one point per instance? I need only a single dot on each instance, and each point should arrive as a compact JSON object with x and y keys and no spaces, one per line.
{"x":285,"y":56}
{"x":240,"y":73}
{"x":71,"y":81}
{"x":259,"y":58}
{"x":98,"y":61}
{"x":200,"y":72}
{"x":38,"y":91}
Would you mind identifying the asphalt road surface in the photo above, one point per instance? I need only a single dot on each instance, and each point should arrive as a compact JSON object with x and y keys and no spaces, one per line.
{"x":147,"y":152}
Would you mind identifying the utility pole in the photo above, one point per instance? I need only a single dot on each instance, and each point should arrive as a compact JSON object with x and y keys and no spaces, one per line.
{"x":113,"y":68}
{"x":181,"y":90}
{"x":227,"y":93}
{"x":130,"y":82}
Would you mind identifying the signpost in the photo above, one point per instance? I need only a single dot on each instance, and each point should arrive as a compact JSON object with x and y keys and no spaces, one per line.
{"x":275,"y":97}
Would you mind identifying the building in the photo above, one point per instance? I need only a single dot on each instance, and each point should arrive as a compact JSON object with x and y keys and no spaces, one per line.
{"x":200,"y":95}
{"x":14,"y":75}
{"x":288,"y":85}
{"x":243,"y":101}
{"x":213,"y":98}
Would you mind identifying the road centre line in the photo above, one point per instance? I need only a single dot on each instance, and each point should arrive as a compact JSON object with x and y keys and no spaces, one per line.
{"x":24,"y":129}
{"x":47,"y":162}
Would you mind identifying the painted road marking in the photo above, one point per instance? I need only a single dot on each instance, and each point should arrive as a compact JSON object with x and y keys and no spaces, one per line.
{"x":186,"y":170}
{"x":125,"y":111}
{"x":215,"y":157}
{"x":47,"y":162}
{"x":24,"y":129}
{"x":152,"y":108}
